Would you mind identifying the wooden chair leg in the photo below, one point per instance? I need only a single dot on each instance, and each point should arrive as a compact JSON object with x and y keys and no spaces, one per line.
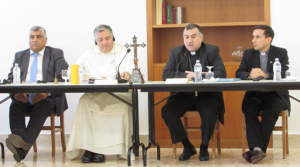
{"x":243,"y":134}
{"x":35,"y":147}
{"x":62,"y":133}
{"x":53,"y":134}
{"x":214,"y":145}
{"x":284,"y":136}
{"x":218,"y":138}
{"x":287,"y":133}
{"x":174,"y":151}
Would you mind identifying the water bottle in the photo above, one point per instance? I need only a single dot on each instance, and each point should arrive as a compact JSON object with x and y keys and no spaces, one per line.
{"x":277,"y":70}
{"x":17,"y":74}
{"x":81,"y":74}
{"x":198,"y":71}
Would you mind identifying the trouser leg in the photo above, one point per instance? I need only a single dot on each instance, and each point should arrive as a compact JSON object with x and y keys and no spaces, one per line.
{"x":251,"y":107}
{"x":171,"y":112}
{"x":208,"y":108}
{"x":40,"y":112}
{"x":17,"y":112}
{"x":271,"y":108}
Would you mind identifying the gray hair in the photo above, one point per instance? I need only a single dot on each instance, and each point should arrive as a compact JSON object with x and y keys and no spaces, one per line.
{"x":38,"y":28}
{"x":101,"y":28}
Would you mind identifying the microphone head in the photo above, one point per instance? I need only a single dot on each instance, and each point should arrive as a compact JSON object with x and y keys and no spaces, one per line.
{"x":128,"y":50}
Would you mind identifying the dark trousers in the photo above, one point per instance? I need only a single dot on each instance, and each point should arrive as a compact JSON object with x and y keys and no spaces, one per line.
{"x":205,"y":103}
{"x":39,"y":113}
{"x":258,"y":133}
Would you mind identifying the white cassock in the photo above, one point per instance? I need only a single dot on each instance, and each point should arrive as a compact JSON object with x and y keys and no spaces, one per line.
{"x":102,"y":124}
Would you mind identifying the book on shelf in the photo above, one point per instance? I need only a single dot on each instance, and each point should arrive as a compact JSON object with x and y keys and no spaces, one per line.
{"x":174,"y":13}
{"x":181,"y":15}
{"x":164,"y":17}
{"x":169,"y":13}
{"x":159,"y":4}
{"x":156,"y":11}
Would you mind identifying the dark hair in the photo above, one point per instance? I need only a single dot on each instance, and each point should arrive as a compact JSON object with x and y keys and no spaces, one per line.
{"x":268,"y":30}
{"x":192,"y":26}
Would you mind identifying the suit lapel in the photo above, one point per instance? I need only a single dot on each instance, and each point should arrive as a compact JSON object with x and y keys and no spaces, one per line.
{"x":271,"y":58}
{"x":25,"y":65}
{"x":46,"y":60}
{"x":203,"y":59}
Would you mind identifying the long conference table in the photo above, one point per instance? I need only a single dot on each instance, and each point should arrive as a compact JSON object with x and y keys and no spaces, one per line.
{"x":150,"y":87}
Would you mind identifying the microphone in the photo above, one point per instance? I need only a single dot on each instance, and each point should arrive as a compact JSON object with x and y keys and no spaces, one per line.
{"x":118,"y":77}
{"x":177,"y":69}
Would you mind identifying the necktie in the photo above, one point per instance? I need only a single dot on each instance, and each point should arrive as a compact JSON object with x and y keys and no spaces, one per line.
{"x":33,"y":73}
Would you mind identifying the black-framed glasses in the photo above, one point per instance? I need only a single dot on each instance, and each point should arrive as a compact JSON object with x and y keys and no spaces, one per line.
{"x":41,"y":81}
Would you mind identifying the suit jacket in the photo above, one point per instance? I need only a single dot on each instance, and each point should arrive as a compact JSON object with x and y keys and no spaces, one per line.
{"x":251,"y":59}
{"x":208,"y":55}
{"x":53,"y":62}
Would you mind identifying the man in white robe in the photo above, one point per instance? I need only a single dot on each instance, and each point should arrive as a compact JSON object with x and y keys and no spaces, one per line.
{"x":102,"y":124}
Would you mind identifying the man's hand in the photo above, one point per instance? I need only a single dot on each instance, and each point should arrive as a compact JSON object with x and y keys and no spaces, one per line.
{"x":190,"y":75}
{"x":38,"y":97}
{"x":22,"y":97}
{"x":125,"y":75}
{"x":257,"y":72}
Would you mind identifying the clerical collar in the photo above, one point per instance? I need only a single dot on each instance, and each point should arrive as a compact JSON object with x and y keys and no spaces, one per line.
{"x":193,"y":53}
{"x":264,"y":53}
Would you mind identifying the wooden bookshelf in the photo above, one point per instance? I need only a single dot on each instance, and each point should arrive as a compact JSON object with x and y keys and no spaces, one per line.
{"x":225,"y":23}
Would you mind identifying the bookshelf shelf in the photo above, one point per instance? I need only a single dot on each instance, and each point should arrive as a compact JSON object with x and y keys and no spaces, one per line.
{"x":226,"y":24}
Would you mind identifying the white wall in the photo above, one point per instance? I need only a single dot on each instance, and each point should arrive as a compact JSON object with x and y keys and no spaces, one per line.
{"x":70,"y":24}
{"x":285,"y":22}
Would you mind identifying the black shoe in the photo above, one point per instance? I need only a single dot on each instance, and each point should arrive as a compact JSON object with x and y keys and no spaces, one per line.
{"x":257,"y":156}
{"x":98,"y":158}
{"x":18,"y":142}
{"x":204,"y":155}
{"x":18,"y":153}
{"x":87,"y":157}
{"x":247,"y":155}
{"x":187,"y":153}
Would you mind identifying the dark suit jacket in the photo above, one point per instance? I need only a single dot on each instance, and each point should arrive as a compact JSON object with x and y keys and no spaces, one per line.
{"x":53,"y":62}
{"x":251,"y":59}
{"x":208,"y":56}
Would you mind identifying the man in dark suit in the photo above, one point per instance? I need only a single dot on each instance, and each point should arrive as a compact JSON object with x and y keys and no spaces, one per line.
{"x":258,"y":62}
{"x":40,"y":62}
{"x":208,"y":104}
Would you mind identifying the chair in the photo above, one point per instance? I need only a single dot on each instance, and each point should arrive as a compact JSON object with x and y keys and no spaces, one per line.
{"x":215,"y":138}
{"x":54,"y":129}
{"x":284,"y":128}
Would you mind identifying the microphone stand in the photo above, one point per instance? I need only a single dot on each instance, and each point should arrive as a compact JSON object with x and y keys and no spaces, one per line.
{"x":118,"y":77}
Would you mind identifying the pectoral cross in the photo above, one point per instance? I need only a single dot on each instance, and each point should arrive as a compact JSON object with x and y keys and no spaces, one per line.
{"x":136,"y":76}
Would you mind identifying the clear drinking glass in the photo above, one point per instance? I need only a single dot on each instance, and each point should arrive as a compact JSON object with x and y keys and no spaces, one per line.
{"x":209,"y":75}
{"x":64,"y":75}
{"x":289,"y":73}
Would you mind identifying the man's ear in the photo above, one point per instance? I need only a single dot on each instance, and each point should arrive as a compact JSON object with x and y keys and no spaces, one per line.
{"x":269,"y":39}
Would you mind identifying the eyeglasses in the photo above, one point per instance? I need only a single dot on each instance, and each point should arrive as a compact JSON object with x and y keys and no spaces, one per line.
{"x":41,"y":81}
